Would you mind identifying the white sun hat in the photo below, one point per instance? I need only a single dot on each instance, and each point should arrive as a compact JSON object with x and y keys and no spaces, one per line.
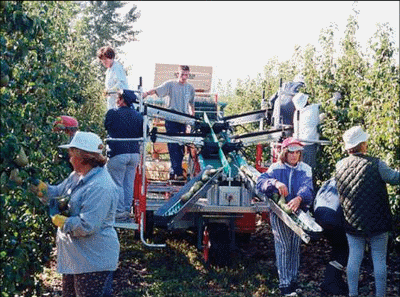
{"x":354,"y":136}
{"x":86,"y":141}
{"x":300,"y":100}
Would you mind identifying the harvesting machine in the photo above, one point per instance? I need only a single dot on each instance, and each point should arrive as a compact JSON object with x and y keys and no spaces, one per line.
{"x":219,"y":195}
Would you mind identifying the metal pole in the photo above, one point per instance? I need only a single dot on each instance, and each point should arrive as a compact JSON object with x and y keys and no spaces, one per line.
{"x":142,"y":197}
{"x":142,"y":235}
{"x":145,"y":124}
{"x":263,"y":105}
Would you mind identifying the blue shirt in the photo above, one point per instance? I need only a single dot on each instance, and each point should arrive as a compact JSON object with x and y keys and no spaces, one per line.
{"x":88,"y":241}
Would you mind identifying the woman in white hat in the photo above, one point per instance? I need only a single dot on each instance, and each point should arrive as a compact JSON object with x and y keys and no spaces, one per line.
{"x":291,"y":178}
{"x":87,"y":243}
{"x":361,"y":182}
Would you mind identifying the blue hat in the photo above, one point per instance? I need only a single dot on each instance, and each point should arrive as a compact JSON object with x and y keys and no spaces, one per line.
{"x":129,"y":97}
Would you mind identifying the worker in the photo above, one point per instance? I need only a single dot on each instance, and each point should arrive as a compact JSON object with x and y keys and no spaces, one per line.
{"x":329,"y":215}
{"x":67,"y":124}
{"x":282,"y":103}
{"x":305,"y":126}
{"x":361,"y":183}
{"x":87,"y":243}
{"x":115,"y":75}
{"x":124,"y":156}
{"x":291,"y":178}
{"x":181,"y":98}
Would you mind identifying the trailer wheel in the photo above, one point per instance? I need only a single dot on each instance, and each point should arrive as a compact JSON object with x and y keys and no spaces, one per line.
{"x":220,"y":248}
{"x":243,"y":237}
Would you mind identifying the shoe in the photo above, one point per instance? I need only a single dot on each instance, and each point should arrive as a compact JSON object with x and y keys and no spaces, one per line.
{"x":171,"y":176}
{"x":295,"y":287}
{"x":180,"y":178}
{"x":122,"y":215}
{"x":288,"y":291}
{"x":333,"y":283}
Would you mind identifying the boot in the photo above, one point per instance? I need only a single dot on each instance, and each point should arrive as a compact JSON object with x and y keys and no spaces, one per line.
{"x":333,"y":282}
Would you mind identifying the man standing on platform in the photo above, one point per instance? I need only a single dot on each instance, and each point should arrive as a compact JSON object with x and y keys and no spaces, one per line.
{"x":181,"y":98}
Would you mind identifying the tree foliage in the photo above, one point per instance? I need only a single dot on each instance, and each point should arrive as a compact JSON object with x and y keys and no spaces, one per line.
{"x":353,"y":88}
{"x":47,"y":69}
{"x":106,"y":26}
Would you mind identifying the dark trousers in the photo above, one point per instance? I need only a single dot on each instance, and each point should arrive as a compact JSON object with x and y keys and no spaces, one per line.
{"x":332,"y":223}
{"x":93,"y":284}
{"x":175,"y":150}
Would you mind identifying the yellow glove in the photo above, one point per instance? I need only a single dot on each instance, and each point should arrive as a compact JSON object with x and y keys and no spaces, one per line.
{"x":58,"y":220}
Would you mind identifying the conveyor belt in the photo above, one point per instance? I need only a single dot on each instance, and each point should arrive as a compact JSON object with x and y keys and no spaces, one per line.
{"x":177,"y":208}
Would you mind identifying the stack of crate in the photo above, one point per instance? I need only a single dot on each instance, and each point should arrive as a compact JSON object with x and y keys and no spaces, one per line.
{"x":158,"y":167}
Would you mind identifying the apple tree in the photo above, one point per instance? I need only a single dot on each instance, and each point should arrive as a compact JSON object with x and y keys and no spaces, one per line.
{"x":46,"y":71}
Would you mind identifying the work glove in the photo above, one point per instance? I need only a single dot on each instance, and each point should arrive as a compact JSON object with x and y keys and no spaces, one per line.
{"x":58,"y":220}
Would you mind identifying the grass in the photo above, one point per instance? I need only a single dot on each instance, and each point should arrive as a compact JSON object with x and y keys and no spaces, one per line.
{"x":179,"y":270}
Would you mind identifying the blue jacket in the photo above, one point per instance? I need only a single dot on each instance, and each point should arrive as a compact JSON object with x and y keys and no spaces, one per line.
{"x":297,"y":179}
{"x":88,"y":241}
{"x":123,"y":122}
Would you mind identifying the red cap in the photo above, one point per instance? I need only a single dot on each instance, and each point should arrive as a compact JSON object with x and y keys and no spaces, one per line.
{"x":63,"y":122}
{"x":292,"y":144}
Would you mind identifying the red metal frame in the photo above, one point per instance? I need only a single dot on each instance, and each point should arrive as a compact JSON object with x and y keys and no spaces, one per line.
{"x":206,"y":244}
{"x":139,"y":198}
{"x":246,"y":224}
{"x":259,"y":152}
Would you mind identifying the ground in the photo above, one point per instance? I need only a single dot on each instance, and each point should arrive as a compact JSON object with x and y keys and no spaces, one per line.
{"x":139,"y":268}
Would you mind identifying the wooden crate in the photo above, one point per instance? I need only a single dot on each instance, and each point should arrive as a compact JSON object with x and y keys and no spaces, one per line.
{"x":157,"y":170}
{"x":200,"y":76}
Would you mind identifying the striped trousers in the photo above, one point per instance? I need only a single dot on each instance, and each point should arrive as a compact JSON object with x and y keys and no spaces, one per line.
{"x":287,"y":251}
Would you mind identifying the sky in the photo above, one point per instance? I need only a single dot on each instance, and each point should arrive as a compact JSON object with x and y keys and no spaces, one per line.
{"x":238,"y":38}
